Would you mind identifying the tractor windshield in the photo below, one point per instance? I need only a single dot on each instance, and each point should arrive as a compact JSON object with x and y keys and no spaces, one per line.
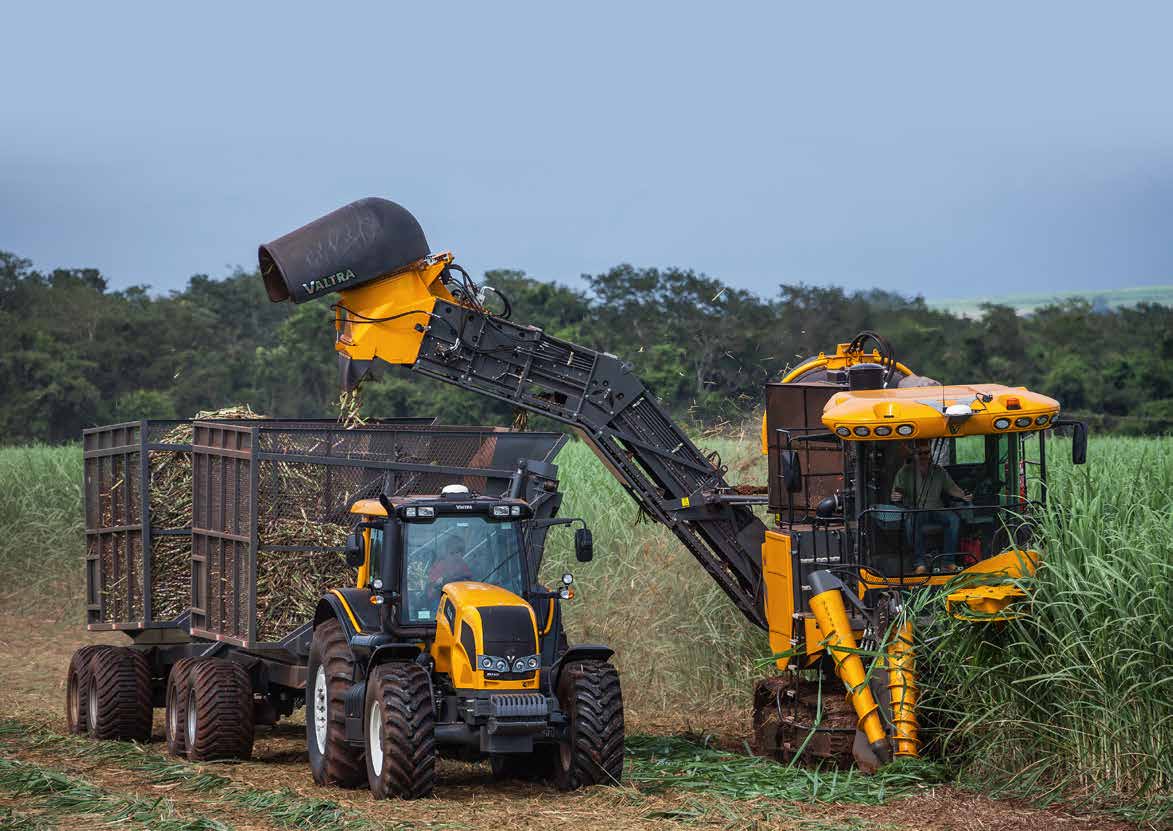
{"x":942,"y":505}
{"x":452,"y":548}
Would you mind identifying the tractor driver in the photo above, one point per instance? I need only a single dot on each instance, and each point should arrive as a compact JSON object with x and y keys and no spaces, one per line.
{"x":447,"y":568}
{"x":920,"y":485}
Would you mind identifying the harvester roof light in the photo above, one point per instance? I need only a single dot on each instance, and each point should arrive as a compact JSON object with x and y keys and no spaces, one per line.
{"x":905,"y":429}
{"x":1022,"y":421}
{"x":862,"y":431}
{"x":843,"y":431}
{"x":1001,"y":423}
{"x":1043,"y":419}
{"x":883,"y":430}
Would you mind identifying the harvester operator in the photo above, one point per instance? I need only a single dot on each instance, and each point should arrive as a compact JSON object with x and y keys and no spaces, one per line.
{"x":919,"y":486}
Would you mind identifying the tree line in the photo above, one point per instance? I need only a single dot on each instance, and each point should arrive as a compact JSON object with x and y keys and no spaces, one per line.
{"x":74,"y":353}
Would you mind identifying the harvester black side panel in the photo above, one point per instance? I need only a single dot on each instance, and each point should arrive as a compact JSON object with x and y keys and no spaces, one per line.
{"x":598,"y":395}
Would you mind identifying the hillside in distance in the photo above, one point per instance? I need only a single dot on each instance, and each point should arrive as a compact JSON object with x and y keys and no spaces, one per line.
{"x":1027,"y":303}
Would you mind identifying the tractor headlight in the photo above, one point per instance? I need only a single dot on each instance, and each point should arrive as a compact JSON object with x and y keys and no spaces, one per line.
{"x":515,"y":510}
{"x":519,"y":665}
{"x":486,"y":662}
{"x":409,"y":512}
{"x":567,"y":578}
{"x":500,"y":510}
{"x":427,"y":511}
{"x":532,"y":662}
{"x":501,"y":666}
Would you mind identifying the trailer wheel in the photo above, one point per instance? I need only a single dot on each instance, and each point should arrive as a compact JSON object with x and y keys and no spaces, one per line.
{"x":329,"y":676}
{"x":77,"y":686}
{"x":399,"y":729}
{"x":118,"y":704}
{"x":592,"y":753}
{"x":178,"y":687}
{"x":219,"y":711}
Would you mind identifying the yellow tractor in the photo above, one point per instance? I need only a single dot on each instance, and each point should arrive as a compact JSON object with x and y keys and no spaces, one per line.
{"x":880,"y":484}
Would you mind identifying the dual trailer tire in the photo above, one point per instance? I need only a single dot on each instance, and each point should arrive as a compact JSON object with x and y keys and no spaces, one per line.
{"x":218,"y":716}
{"x":115,"y":683}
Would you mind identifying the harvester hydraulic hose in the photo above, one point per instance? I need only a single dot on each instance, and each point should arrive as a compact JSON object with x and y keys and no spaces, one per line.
{"x":827,"y":604}
{"x":902,"y":688}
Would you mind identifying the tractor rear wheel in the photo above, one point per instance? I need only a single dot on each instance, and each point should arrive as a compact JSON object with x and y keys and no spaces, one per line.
{"x":330,"y":676}
{"x":592,"y":753}
{"x":400,"y":732}
{"x":77,"y":686}
{"x":175,"y":721}
{"x":118,"y":704}
{"x":219,"y":711}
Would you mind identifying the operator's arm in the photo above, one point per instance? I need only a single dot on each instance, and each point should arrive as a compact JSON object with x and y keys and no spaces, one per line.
{"x":953,"y":489}
{"x":901,"y":485}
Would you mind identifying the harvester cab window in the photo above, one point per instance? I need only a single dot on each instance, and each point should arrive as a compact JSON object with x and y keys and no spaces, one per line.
{"x":941,"y":505}
{"x":453,"y":548}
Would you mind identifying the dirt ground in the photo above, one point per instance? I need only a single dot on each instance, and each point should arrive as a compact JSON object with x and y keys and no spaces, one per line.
{"x":34,"y":657}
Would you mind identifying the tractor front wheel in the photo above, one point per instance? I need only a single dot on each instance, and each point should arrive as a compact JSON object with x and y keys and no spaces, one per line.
{"x":330,"y":675}
{"x":400,"y":732}
{"x":592,"y":752}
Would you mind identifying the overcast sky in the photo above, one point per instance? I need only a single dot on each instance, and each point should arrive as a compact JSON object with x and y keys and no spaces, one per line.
{"x":927,"y":148}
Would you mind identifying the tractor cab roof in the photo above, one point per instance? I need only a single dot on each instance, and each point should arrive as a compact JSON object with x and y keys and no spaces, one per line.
{"x":471,"y":502}
{"x":937,"y":412}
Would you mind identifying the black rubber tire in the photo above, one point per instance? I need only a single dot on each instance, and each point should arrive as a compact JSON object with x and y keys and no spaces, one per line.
{"x":175,"y":712}
{"x":592,"y":753}
{"x":535,"y":766}
{"x":402,"y":695}
{"x":219,"y":711}
{"x":77,"y":687}
{"x":119,"y":705}
{"x":339,"y":763}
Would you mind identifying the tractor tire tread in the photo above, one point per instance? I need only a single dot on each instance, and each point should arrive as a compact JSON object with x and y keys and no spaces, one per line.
{"x":409,"y":749}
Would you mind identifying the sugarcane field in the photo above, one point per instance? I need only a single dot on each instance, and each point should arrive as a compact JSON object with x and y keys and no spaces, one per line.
{"x":755,"y":417}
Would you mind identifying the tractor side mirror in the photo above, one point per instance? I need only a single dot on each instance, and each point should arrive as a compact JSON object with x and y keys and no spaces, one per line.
{"x":355,"y":553}
{"x":584,"y":545}
{"x":1078,"y":443}
{"x":791,"y":471}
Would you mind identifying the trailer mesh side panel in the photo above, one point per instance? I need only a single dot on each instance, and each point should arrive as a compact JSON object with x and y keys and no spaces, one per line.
{"x":273,"y":509}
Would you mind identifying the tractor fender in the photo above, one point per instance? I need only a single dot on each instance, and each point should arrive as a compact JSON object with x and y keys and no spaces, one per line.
{"x":578,"y":652}
{"x":387,"y":652}
{"x":330,"y":608}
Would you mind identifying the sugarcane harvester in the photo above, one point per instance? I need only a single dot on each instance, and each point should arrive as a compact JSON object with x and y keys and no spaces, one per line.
{"x":853,"y":529}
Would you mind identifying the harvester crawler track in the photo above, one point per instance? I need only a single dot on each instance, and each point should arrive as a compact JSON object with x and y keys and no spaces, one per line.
{"x":787,"y":710}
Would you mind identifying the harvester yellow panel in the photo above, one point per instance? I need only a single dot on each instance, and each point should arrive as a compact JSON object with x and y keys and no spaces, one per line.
{"x":992,"y":408}
{"x":993,"y":602}
{"x":451,"y":652}
{"x":387,"y":319}
{"x":777,"y":570}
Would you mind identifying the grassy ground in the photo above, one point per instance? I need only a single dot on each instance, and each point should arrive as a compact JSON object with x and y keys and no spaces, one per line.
{"x":1074,"y":701}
